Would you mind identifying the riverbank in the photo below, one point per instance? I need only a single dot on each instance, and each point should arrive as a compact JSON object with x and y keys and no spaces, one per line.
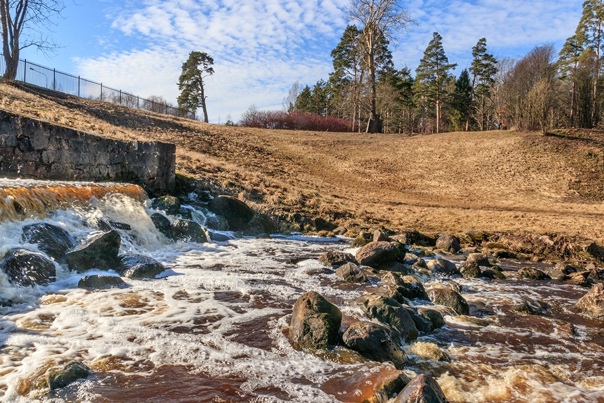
{"x":453,"y":182}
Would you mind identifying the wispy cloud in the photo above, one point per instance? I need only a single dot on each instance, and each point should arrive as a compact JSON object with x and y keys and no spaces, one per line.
{"x":261,"y":47}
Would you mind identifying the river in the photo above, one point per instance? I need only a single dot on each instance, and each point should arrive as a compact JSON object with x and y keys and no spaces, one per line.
{"x":214,"y":327}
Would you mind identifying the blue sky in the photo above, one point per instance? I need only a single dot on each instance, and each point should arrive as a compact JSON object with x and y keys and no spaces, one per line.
{"x":260,"y":48}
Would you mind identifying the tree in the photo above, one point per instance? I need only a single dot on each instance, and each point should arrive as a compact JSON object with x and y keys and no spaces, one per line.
{"x":483,"y":69}
{"x":289,"y":102}
{"x":304,"y":100}
{"x":379,"y":19}
{"x":568,"y":68}
{"x":24,"y":24}
{"x":461,"y":104}
{"x":590,"y":36}
{"x":192,"y":96}
{"x":432,"y":76}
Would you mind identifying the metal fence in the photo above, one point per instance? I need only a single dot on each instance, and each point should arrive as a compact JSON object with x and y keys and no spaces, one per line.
{"x":45,"y":77}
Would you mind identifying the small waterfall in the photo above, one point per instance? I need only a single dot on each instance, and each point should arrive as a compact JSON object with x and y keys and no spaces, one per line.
{"x":20,"y":199}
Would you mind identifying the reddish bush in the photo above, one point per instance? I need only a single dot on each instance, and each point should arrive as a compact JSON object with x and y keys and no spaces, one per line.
{"x":293,"y":121}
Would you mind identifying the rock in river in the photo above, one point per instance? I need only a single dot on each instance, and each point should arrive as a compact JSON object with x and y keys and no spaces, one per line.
{"x":422,"y":389}
{"x":592,"y":303}
{"x":374,"y":342}
{"x":51,"y":239}
{"x":27,"y":268}
{"x":100,"y":251}
{"x":315,"y":322}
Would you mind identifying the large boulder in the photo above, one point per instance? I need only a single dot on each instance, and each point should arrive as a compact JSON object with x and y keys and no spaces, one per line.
{"x":101,"y":282}
{"x":336,"y":258}
{"x":376,"y":253}
{"x":51,"y":239}
{"x":374,"y":342}
{"x":391,"y":313}
{"x":422,"y":389}
{"x":448,"y":243}
{"x":140,"y":266}
{"x":436,"y":318}
{"x":27,"y":268}
{"x":351,"y":273}
{"x":478,"y":258}
{"x":236,"y":212}
{"x":99,"y":251}
{"x":442,"y":295}
{"x":315,"y":322}
{"x":592,"y":303}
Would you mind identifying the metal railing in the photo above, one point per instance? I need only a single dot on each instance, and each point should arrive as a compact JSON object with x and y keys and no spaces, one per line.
{"x":45,"y":77}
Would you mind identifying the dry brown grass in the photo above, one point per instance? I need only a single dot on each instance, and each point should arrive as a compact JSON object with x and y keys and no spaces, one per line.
{"x":488,"y":181}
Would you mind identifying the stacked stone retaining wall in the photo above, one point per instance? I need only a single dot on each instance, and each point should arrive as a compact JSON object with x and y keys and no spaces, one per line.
{"x":36,"y":149}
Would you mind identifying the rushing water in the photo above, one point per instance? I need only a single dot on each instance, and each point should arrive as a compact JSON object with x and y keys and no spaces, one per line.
{"x":214,"y":328}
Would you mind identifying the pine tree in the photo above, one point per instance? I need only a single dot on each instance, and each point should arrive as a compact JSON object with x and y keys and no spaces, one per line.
{"x":432,"y":76}
{"x":304,"y":101}
{"x":568,"y":67}
{"x":483,"y":69}
{"x":191,"y":82}
{"x":590,"y":37}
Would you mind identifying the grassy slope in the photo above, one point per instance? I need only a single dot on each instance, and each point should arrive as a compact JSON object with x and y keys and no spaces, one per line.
{"x":489,"y":181}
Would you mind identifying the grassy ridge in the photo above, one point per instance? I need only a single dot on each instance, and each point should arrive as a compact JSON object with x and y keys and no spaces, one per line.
{"x":486,"y":181}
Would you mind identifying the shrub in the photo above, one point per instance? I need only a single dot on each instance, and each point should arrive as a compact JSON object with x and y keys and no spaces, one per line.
{"x":293,"y":121}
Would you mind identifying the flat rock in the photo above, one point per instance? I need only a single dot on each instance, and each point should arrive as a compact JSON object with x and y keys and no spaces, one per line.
{"x":376,"y":253}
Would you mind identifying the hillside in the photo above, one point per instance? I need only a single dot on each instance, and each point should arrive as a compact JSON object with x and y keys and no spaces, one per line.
{"x":488,"y":181}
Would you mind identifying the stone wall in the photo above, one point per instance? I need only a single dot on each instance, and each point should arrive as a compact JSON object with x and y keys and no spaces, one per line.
{"x":37,"y":149}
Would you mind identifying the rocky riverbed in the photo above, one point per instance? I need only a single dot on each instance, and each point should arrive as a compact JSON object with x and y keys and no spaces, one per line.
{"x":123,"y":300}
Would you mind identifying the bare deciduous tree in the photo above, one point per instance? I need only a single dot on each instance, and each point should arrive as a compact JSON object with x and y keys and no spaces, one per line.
{"x":378,"y":19}
{"x":26,"y":23}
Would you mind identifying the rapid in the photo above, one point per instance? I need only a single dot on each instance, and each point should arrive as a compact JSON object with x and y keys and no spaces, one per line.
{"x":214,"y":326}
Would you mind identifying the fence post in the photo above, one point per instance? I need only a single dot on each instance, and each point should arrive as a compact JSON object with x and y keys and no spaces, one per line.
{"x":120,"y":97}
{"x":54,"y":79}
{"x":78,"y":86}
{"x":101,"y":91}
{"x":25,"y":71}
{"x":137,"y":102}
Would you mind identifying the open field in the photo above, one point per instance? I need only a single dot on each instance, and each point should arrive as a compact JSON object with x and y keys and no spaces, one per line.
{"x":456,"y":182}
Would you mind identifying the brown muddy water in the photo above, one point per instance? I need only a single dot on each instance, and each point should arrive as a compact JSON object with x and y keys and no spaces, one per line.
{"x":214,"y":328}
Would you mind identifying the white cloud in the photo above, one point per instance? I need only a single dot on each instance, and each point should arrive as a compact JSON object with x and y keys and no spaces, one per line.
{"x":261,"y":47}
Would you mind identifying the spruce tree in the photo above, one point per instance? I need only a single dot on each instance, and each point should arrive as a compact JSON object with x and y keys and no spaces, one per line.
{"x":483,"y":69}
{"x":461,"y":102}
{"x":432,"y":76}
{"x":191,"y":85}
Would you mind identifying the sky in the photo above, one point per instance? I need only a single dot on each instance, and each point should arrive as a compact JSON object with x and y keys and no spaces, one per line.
{"x":261,"y":48}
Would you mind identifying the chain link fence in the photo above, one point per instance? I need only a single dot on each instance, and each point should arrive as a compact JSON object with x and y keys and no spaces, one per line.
{"x":45,"y":77}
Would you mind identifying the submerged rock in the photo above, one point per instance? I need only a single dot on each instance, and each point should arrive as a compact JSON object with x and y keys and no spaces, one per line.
{"x":592,"y":303}
{"x":101,"y":282}
{"x":376,"y":253}
{"x":445,"y":296}
{"x":315,"y":322}
{"x":67,"y":375}
{"x":374,"y":342}
{"x":51,"y":239}
{"x":422,"y":389}
{"x":162,"y":223}
{"x":27,"y":268}
{"x":236,"y":212}
{"x":100,"y":251}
